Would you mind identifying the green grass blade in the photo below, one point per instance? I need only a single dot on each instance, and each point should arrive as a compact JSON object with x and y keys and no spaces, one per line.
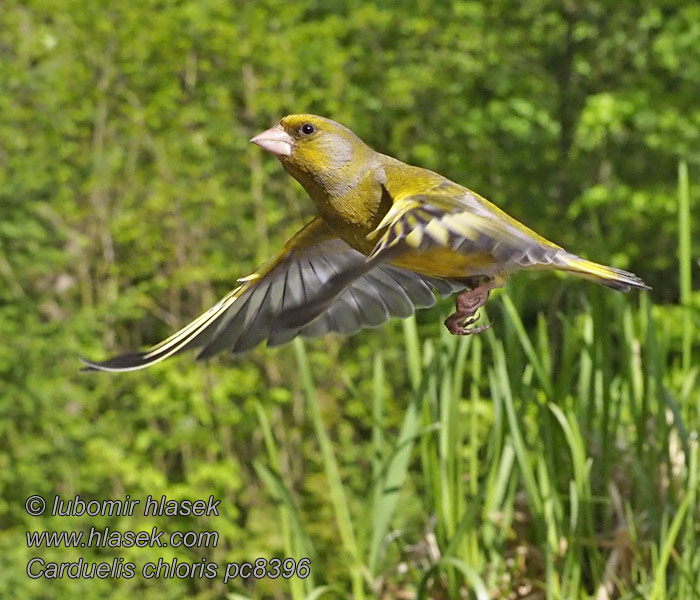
{"x":659,"y":590}
{"x":335,"y":483}
{"x":301,"y":544}
{"x":296,"y":542}
{"x":501,"y":381}
{"x":470,"y":576}
{"x":539,"y":365}
{"x":393,"y":474}
{"x":684,"y":261}
{"x":325,"y":590}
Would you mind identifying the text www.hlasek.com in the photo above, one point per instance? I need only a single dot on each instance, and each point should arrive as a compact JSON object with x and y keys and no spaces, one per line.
{"x":107,"y":538}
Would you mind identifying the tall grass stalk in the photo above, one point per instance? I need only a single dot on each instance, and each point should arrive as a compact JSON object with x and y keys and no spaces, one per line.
{"x":335,"y":483}
{"x":684,"y":260}
{"x":296,"y":543}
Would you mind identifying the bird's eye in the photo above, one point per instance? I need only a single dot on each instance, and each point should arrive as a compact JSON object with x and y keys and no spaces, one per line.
{"x":307,"y":129}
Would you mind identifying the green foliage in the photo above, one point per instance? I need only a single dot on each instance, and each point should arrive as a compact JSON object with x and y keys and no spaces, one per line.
{"x":557,"y":454}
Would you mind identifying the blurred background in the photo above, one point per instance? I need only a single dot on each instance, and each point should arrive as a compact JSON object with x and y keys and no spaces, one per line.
{"x":554,"y":457}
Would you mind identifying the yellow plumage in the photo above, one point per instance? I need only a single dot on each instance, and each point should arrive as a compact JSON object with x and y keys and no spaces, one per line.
{"x":388,"y":236}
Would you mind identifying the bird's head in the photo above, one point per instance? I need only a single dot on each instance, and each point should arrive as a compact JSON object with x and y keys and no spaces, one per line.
{"x":316,"y":151}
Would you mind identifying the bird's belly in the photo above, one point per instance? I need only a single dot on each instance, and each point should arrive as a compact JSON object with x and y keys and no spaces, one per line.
{"x":446,"y":263}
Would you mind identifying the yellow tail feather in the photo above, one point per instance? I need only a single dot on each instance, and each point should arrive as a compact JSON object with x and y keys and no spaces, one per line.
{"x":616,"y":279}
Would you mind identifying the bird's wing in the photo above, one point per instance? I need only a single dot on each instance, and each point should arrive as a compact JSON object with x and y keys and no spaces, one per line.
{"x":444,"y":214}
{"x":310,"y":262}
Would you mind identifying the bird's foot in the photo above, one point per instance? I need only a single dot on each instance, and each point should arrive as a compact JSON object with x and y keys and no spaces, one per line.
{"x":466,"y":305}
{"x":458,"y":324}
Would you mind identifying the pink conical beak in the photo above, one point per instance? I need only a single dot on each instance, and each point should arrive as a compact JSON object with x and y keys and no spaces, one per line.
{"x":275,"y":140}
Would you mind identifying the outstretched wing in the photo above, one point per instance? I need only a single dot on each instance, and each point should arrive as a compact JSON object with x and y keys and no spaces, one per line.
{"x":250,"y":313}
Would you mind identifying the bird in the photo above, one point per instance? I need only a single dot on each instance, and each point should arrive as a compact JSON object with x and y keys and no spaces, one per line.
{"x":388,"y":237}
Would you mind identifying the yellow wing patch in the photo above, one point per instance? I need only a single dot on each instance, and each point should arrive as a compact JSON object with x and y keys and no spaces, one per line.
{"x":422,"y":225}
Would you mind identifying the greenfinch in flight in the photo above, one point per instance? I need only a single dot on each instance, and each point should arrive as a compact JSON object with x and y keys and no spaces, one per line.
{"x":387,"y":238}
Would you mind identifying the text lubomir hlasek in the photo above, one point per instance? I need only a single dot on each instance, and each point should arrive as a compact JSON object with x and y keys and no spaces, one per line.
{"x":152,"y":507}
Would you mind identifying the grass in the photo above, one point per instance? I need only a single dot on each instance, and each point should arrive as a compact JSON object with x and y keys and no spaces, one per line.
{"x":556,"y":461}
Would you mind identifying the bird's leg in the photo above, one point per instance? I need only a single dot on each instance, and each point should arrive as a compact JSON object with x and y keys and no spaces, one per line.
{"x":466,"y":305}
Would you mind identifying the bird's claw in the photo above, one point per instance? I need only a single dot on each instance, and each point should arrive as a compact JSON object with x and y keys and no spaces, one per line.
{"x":466,"y":305}
{"x":460,"y":324}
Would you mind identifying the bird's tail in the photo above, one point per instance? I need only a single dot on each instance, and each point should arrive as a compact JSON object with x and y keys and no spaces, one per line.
{"x":616,"y":279}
